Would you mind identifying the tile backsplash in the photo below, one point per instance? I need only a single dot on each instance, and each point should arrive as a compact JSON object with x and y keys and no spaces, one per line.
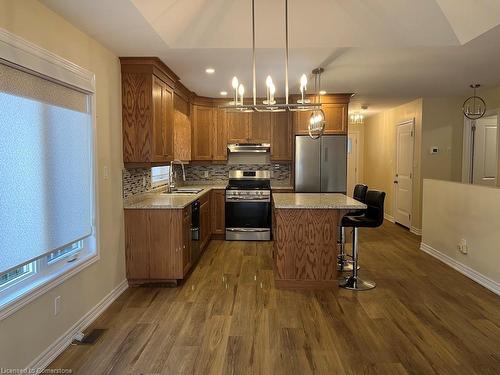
{"x":138,"y":180}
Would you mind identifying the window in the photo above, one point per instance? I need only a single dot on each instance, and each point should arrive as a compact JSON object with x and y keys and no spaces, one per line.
{"x":47,"y":194}
{"x":160,"y":176}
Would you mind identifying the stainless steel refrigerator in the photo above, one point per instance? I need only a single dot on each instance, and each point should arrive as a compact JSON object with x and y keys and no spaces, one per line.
{"x":321,"y":164}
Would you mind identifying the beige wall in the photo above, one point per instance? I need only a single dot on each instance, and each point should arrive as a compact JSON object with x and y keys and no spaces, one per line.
{"x":455,"y":211}
{"x":29,"y":331}
{"x":380,"y":153}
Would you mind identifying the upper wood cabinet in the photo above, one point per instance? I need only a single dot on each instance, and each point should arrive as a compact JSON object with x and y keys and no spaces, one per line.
{"x":260,"y":128}
{"x":147,"y":115}
{"x":203,"y":125}
{"x":182,"y":129}
{"x":335,"y":108}
{"x":238,"y":127}
{"x":281,"y":136}
{"x":219,"y":135}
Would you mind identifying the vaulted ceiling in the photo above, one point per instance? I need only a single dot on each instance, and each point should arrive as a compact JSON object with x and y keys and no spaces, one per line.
{"x":385,"y":51}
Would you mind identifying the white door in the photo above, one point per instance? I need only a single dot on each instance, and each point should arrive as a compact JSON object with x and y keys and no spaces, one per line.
{"x":352,"y":162}
{"x":484,"y":163}
{"x":404,"y":173}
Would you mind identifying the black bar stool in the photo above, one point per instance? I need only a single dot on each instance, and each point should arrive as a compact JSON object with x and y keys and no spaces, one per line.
{"x":343,"y":264}
{"x":372,"y":218}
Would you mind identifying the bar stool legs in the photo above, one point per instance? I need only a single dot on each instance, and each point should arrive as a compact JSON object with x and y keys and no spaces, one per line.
{"x":343,"y":264}
{"x":353,"y":282}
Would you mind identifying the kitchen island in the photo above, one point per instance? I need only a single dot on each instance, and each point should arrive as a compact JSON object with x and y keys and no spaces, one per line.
{"x":306,"y":227}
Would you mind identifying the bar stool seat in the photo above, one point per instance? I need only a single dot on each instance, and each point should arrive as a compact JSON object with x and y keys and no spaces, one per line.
{"x":373,"y":217}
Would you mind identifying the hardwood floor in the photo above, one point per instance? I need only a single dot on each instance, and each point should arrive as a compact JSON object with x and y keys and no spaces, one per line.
{"x":227,"y":318}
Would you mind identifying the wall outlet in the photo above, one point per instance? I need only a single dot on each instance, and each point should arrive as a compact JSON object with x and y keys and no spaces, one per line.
{"x":434,"y":150}
{"x":462,"y":246}
{"x":143,"y":181}
{"x":57,"y":305}
{"x":205,"y":174}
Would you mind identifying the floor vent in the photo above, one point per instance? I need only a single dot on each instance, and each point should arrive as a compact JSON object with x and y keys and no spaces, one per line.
{"x":90,"y":338}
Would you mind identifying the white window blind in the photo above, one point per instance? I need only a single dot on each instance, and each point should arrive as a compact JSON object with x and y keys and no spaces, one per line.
{"x":46,"y":167}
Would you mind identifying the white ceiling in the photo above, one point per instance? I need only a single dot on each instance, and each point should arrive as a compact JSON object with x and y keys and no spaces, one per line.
{"x":385,"y":51}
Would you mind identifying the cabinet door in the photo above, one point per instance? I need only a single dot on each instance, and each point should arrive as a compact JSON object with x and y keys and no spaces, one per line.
{"x":205,"y":227}
{"x":162,"y":121}
{"x":260,"y":127}
{"x":237,"y":127}
{"x":203,"y":122}
{"x":137,"y":244}
{"x":218,"y":201}
{"x":301,"y":121}
{"x":168,"y":122}
{"x":166,"y":240}
{"x":182,"y":129}
{"x":220,"y":135}
{"x":335,"y":118}
{"x":281,"y":136}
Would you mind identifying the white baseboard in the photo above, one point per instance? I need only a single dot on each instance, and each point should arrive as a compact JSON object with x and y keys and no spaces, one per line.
{"x":389,"y":218}
{"x":416,"y":230}
{"x":462,"y":268}
{"x":58,"y":346}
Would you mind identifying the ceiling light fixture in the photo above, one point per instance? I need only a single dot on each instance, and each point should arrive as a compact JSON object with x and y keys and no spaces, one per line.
{"x":210,"y":70}
{"x":474,"y":106}
{"x":357,"y":118}
{"x":270,"y":104}
{"x":223,"y":93}
{"x":322,"y":92}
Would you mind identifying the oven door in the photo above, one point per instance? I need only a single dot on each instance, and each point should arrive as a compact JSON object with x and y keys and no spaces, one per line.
{"x":248,"y":220}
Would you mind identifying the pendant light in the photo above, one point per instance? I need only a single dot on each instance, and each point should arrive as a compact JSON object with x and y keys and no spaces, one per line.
{"x":474,"y":106}
{"x":316,"y":125}
{"x":270,"y":104}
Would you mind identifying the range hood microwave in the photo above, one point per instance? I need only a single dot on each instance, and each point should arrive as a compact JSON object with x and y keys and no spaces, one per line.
{"x":249,"y":147}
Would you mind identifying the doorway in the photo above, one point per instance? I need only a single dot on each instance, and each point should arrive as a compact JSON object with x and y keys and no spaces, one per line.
{"x":403,"y":179}
{"x":352,"y":161}
{"x":480,"y":149}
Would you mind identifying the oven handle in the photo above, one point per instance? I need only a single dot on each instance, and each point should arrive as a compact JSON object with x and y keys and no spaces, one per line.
{"x":246,"y":230}
{"x":229,"y":199}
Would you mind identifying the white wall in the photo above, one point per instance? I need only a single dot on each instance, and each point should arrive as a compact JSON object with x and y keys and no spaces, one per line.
{"x":31,"y":330}
{"x":453,"y":211}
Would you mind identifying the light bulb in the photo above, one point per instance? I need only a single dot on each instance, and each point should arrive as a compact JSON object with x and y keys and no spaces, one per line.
{"x":303,"y":82}
{"x":272,"y":89}
{"x":241,"y":89}
{"x":269,"y":81}
{"x":234,"y":83}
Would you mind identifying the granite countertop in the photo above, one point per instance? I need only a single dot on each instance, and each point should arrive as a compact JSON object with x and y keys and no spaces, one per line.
{"x":157,"y":200}
{"x":316,"y":201}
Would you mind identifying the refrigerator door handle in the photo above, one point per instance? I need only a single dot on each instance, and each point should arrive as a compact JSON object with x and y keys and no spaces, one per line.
{"x":326,"y":154}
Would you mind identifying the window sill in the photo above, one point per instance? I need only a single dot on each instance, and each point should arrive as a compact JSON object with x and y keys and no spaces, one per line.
{"x":40,"y":286}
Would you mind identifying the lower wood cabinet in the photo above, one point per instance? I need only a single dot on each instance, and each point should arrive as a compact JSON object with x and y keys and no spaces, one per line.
{"x":218,"y":203}
{"x":157,"y":244}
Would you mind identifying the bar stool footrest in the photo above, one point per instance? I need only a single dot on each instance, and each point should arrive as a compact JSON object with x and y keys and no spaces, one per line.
{"x":355,"y":283}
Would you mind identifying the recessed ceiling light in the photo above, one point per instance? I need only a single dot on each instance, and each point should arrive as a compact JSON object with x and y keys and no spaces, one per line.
{"x":223,"y":93}
{"x":210,"y":70}
{"x":322,"y":92}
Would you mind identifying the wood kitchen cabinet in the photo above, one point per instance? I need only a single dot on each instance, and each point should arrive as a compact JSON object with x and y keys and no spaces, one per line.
{"x":260,"y":127}
{"x":219,"y":135}
{"x":238,"y":127}
{"x":335,"y":107}
{"x":182,"y":129}
{"x":218,"y":202}
{"x":281,"y":136}
{"x":202,"y":129}
{"x":157,"y":244}
{"x":147,"y":116}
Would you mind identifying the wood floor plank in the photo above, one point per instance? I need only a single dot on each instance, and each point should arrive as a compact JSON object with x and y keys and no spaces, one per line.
{"x":228,"y":318}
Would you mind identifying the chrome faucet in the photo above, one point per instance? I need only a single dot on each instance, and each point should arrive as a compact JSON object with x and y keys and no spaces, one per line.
{"x":171,"y":182}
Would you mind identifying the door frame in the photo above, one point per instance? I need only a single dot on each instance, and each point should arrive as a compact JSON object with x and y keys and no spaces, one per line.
{"x":357,"y":134}
{"x":467,"y":146}
{"x":394,"y":200}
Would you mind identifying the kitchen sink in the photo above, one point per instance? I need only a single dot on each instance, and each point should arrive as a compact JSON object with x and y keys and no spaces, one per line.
{"x":184,"y":191}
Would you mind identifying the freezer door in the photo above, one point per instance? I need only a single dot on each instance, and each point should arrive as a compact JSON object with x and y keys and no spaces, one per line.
{"x":334,"y":164}
{"x":307,"y":164}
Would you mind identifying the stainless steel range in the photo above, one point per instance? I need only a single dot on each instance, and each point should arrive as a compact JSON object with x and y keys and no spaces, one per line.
{"x":248,"y":206}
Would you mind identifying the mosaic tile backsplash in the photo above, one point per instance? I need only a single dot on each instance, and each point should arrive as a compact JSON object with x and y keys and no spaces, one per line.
{"x":133,"y":179}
